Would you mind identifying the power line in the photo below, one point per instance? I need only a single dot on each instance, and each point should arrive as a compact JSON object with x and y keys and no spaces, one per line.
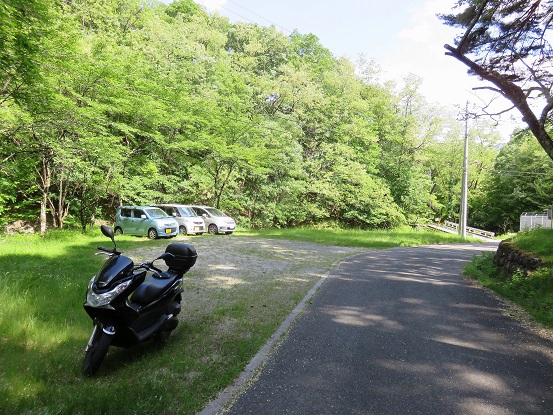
{"x":254,"y":13}
{"x":521,"y":173}
{"x":143,"y":93}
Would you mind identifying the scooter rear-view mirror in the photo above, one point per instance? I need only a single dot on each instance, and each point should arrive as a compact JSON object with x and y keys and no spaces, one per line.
{"x":107,"y":231}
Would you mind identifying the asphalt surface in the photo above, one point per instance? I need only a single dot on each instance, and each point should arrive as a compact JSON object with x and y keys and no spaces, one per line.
{"x":400,"y":331}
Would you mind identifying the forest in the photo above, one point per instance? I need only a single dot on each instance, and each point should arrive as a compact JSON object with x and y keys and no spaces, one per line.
{"x":125,"y":102}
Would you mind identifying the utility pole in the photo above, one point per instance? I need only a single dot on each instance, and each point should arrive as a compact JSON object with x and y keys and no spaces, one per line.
{"x":464,"y":189}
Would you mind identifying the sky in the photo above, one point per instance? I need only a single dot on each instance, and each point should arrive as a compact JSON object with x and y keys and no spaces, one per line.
{"x":402,"y":36}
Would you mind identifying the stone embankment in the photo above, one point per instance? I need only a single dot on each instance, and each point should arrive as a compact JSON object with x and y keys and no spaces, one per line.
{"x":510,"y":258}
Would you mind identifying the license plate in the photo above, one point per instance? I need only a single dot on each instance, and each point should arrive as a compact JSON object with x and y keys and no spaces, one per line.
{"x":169,"y":230}
{"x":197,"y":228}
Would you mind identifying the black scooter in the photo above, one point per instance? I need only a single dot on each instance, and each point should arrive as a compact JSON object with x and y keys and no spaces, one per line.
{"x":132,"y":304}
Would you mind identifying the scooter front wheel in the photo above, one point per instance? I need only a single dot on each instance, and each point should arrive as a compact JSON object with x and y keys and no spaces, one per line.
{"x":96,"y":352}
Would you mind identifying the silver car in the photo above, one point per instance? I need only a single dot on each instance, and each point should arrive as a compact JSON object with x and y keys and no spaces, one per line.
{"x":189,"y":222}
{"x":216,"y":220}
{"x":144,"y":221}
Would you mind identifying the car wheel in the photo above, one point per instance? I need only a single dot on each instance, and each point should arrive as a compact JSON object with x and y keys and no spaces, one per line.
{"x":118,"y":231}
{"x":182,"y":230}
{"x":212,"y":229}
{"x":152,"y":233}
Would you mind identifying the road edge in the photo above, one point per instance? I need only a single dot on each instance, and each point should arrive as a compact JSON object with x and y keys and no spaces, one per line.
{"x":220,"y":404}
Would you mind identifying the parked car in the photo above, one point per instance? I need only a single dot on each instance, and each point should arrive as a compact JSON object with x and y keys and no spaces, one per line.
{"x":189,"y":222}
{"x":216,"y":220}
{"x":144,"y":221}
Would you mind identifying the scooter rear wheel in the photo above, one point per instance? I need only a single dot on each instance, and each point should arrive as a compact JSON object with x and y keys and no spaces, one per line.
{"x":96,"y":353}
{"x":162,"y":336}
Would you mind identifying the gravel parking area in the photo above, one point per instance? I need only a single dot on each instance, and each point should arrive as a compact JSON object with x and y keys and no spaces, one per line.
{"x":229,"y":260}
{"x":247,"y":281}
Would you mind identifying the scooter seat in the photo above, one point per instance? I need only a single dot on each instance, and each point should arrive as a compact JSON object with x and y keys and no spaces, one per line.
{"x":151,"y":289}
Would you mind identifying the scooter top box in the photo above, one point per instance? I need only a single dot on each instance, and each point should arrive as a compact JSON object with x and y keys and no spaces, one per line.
{"x":184,"y":257}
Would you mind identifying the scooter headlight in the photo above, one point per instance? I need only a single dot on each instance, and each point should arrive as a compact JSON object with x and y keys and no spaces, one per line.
{"x":102,"y":300}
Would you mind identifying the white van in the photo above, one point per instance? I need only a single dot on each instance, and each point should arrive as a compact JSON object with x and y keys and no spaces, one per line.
{"x":189,"y":222}
{"x":216,"y":220}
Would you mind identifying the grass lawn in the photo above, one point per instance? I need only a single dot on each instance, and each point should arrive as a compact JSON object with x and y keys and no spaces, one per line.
{"x":239,"y":292}
{"x":378,"y":239}
{"x":534,"y":293}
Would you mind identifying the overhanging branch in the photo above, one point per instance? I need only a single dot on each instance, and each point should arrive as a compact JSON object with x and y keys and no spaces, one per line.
{"x":513,"y":93}
{"x":497,"y":90}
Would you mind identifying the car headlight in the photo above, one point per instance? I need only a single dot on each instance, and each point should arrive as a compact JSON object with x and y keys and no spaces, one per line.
{"x":102,"y":300}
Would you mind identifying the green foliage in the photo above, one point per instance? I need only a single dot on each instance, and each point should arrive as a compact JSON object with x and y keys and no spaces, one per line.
{"x":483,"y":269}
{"x":444,"y":162}
{"x":24,"y":22}
{"x":500,"y":32}
{"x":139,"y":103}
{"x":520,"y":181}
{"x":183,"y":8}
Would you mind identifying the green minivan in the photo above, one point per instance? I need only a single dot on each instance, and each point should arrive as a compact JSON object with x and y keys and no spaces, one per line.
{"x":144,"y":221}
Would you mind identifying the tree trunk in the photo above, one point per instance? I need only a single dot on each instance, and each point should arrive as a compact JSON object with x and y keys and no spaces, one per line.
{"x":60,"y":210}
{"x":46,"y":178}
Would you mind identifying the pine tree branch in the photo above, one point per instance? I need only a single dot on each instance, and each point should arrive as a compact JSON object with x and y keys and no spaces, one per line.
{"x":473,"y":23}
{"x":513,"y":93}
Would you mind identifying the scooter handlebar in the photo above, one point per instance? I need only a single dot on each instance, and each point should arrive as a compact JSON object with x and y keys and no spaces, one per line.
{"x":148,"y":266}
{"x":109,"y":250}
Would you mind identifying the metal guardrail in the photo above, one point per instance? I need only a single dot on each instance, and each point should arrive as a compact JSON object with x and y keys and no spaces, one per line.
{"x":473,"y":231}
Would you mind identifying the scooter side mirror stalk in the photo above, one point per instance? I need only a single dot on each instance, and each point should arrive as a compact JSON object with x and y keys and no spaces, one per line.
{"x":165,"y":255}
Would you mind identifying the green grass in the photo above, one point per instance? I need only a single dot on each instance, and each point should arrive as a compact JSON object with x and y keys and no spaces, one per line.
{"x":538,"y":241}
{"x":225,"y":321}
{"x":42,"y":323}
{"x":376,"y":239}
{"x":534,"y":293}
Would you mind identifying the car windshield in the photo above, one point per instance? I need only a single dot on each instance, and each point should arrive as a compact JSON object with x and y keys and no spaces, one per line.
{"x":156,"y":213}
{"x":186,"y":211}
{"x":215,"y":212}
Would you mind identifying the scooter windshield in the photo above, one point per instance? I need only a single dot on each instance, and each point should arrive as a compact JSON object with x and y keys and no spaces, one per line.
{"x":115,"y":268}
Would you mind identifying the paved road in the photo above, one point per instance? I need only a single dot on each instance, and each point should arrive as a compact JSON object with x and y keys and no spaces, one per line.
{"x":400,"y":332}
